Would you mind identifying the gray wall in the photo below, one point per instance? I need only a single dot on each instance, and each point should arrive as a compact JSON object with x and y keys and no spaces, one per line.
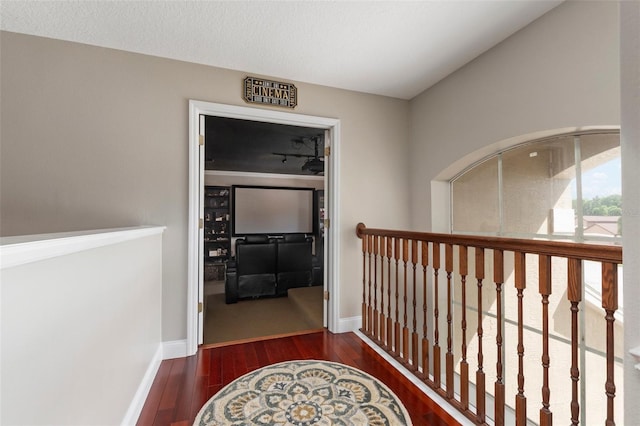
{"x":95,"y":138}
{"x":561,"y":71}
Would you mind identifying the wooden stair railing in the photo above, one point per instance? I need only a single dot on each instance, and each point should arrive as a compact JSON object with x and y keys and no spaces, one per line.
{"x":394,"y":322}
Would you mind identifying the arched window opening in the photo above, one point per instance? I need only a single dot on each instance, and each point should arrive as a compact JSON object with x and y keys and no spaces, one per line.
{"x":568,"y":188}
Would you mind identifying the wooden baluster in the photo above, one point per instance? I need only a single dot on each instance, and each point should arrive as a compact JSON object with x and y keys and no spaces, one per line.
{"x":369,"y":319}
{"x":498,"y":278}
{"x":480,"y":375}
{"x":449,"y":356}
{"x":365,"y":240}
{"x":436,"y":313}
{"x":574,"y":294}
{"x":381,"y":326}
{"x":396,"y":334}
{"x":464,"y":365}
{"x":389,"y":318}
{"x":610,"y":305}
{"x":381,"y":319}
{"x":405,"y":324}
{"x":544,"y":274}
{"x":425,"y":339}
{"x":414,"y":335}
{"x":373,"y":311}
{"x":520,"y":283}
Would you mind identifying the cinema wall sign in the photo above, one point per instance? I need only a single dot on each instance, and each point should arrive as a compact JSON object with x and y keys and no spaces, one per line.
{"x":261,"y":91}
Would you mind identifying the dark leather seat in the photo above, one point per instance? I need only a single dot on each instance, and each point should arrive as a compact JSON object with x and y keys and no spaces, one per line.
{"x":253,"y":274}
{"x":294,"y":262}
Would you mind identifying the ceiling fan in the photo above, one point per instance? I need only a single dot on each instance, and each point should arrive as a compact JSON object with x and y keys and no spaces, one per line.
{"x":314,"y":163}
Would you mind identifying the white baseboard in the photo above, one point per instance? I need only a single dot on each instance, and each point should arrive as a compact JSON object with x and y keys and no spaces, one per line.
{"x":349,"y":324}
{"x":166,"y":350}
{"x":140,"y":397}
{"x":461,"y":418}
{"x":174,"y":349}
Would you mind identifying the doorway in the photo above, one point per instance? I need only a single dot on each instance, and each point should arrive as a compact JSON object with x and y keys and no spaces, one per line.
{"x":197,"y":111}
{"x":262,"y":180}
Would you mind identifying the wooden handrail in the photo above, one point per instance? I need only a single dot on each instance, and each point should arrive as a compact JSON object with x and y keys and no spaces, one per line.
{"x":421,"y":271}
{"x":584,"y":251}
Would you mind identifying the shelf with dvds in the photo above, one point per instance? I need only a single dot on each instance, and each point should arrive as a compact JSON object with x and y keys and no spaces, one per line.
{"x":217,"y":237}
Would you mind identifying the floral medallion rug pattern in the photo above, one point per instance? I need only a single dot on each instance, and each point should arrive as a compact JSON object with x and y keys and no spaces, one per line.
{"x":304,"y":393}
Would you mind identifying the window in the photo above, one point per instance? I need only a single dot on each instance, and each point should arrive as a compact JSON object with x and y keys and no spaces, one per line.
{"x":563,"y":188}
{"x":567,"y":187}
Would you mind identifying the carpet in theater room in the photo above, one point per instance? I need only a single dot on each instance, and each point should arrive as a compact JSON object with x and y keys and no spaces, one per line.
{"x":255,"y":318}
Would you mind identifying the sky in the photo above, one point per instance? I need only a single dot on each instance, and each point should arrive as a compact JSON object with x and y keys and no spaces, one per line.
{"x":603,"y":180}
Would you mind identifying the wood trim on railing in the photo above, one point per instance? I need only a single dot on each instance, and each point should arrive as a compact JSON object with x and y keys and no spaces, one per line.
{"x":396,"y":325}
{"x":498,"y":278}
{"x":364,"y":282}
{"x":389,"y":340}
{"x":610,"y":305}
{"x":414,"y":333}
{"x":464,"y":365}
{"x":381,"y":317}
{"x":405,"y":328}
{"x":425,"y":301}
{"x":544,"y":267}
{"x":398,"y":332}
{"x":448,"y":250}
{"x":436,"y":314}
{"x":595,"y":252}
{"x":480,"y":375}
{"x":374,"y":313}
{"x":574,"y":294}
{"x":520,"y":283}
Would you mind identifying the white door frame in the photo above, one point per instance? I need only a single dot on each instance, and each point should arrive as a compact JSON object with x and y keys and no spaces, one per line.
{"x":197,"y":108}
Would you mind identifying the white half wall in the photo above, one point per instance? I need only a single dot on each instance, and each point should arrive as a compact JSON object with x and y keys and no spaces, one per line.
{"x":81,"y":326}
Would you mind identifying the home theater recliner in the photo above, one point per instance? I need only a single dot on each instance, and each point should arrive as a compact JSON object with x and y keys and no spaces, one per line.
{"x":265,"y":266}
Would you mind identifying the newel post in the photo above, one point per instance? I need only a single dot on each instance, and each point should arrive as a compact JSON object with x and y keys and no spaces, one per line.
{"x":360,"y":235}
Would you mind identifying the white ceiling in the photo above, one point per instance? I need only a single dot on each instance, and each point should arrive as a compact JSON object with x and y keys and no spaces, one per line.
{"x":392,"y":48}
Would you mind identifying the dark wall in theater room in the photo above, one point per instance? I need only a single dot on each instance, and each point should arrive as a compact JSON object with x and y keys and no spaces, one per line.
{"x":250,"y":146}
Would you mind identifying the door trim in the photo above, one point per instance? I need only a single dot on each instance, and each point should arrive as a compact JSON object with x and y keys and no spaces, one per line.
{"x":332,"y":178}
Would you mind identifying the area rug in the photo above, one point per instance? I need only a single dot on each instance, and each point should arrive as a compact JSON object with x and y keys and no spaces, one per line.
{"x":304,"y":393}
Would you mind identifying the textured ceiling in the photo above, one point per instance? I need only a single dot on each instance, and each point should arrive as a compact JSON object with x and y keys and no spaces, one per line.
{"x":391,"y":48}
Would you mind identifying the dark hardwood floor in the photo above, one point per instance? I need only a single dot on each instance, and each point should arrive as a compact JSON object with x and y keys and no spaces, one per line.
{"x":183,"y":385}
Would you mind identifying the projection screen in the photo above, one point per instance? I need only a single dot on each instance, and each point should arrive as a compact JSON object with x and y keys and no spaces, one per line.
{"x":272,"y":210}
